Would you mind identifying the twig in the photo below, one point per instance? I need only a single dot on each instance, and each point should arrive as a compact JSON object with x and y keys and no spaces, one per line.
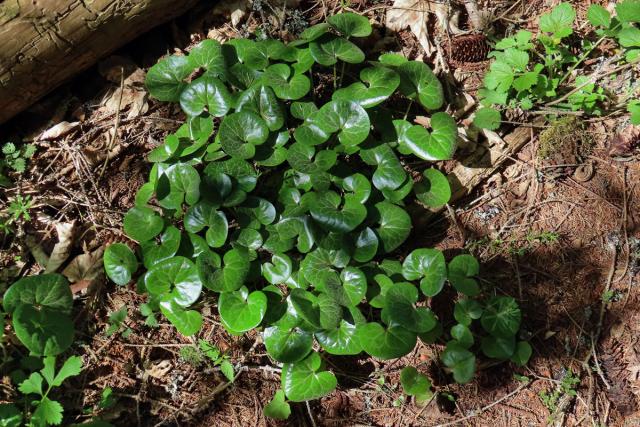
{"x":313,"y":421}
{"x":598,"y":369}
{"x":115,"y":125}
{"x":485,"y":408}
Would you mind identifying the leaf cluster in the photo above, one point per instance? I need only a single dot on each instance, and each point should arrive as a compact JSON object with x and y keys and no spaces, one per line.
{"x":529,"y":71}
{"x":14,"y":158}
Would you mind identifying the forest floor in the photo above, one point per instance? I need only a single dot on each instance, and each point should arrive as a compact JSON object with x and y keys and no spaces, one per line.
{"x":562,"y":237}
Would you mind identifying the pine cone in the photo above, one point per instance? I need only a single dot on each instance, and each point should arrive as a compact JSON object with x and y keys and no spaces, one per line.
{"x":468,"y":49}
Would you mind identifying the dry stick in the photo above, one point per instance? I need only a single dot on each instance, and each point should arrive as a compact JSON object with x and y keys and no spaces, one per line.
{"x":598,"y":369}
{"x":592,"y":80}
{"x":115,"y":125}
{"x":485,"y":408}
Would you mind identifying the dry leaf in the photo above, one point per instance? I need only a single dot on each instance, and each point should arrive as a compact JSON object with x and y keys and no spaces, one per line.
{"x":159,"y":370}
{"x":61,"y":249}
{"x":58,"y":130}
{"x":84,"y":269}
{"x":235,"y":9}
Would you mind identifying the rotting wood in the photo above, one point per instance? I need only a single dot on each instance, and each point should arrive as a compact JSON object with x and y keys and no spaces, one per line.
{"x":44,"y":43}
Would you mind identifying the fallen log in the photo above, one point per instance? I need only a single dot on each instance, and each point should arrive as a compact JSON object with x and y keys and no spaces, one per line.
{"x":44,"y":43}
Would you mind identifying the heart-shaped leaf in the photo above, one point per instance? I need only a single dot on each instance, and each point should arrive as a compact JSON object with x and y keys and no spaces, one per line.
{"x":43,"y":291}
{"x":385,"y":344}
{"x":241,"y":310}
{"x":347,"y":118}
{"x":418,"y":82}
{"x":413,"y":382}
{"x":305,"y":380}
{"x":440,"y":144}
{"x":208,"y":55}
{"x":305,"y":159}
{"x":305,"y":305}
{"x":183,"y":186}
{"x":206,"y":92}
{"x":354,"y":283}
{"x":466,"y":310}
{"x":394,"y":225}
{"x":119,"y":263}
{"x":187,"y":322}
{"x":44,"y":332}
{"x":462,"y":269}
{"x":461,"y":362}
{"x":278,"y":408}
{"x":204,"y":215}
{"x":366,"y":245}
{"x":328,"y":49}
{"x":501,"y":317}
{"x":335,"y":214}
{"x":235,"y":271}
{"x":428,"y":265}
{"x":142,"y":224}
{"x":285,"y":85}
{"x":350,"y":24}
{"x":341,"y":340}
{"x":382,"y":82}
{"x":522,"y":353}
{"x":462,"y":334}
{"x":314,"y":32}
{"x":434,"y":191}
{"x":165,"y":80}
{"x":240,"y":132}
{"x":153,"y":253}
{"x":253,"y":55}
{"x":263,"y":102}
{"x":176,"y":277}
{"x":287,"y":345}
{"x":277,"y":271}
{"x":498,"y":347}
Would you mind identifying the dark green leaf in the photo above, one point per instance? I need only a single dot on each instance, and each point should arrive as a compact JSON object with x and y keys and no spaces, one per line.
{"x":385,"y":344}
{"x":119,"y":263}
{"x":350,"y":24}
{"x":165,"y":80}
{"x":287,"y":345}
{"x":501,"y":317}
{"x":141,"y":223}
{"x":46,"y":290}
{"x":240,"y":132}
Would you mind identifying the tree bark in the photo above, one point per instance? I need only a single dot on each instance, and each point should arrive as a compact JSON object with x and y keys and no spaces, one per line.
{"x":45,"y":42}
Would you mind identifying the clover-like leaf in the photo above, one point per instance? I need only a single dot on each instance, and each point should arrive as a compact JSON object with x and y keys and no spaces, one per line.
{"x":141,"y":223}
{"x":176,"y":277}
{"x":278,"y":408}
{"x":204,"y":215}
{"x":287,"y":345}
{"x":418,"y":82}
{"x":262,"y":101}
{"x":206,"y":92}
{"x":440,"y":144}
{"x":462,"y":269}
{"x":119,"y":263}
{"x":165,"y":80}
{"x":501,"y":317}
{"x":347,"y":118}
{"x":328,"y":49}
{"x":429,"y":266}
{"x":462,"y":334}
{"x":389,"y":343}
{"x":240,"y":132}
{"x":187,"y":322}
{"x":598,"y":16}
{"x":305,"y":380}
{"x":335,"y":213}
{"x":42,"y":291}
{"x":394,"y":225}
{"x":350,"y":24}
{"x":466,"y":310}
{"x":381,"y":83}
{"x":461,"y":362}
{"x":241,"y":310}
{"x":284,"y":84}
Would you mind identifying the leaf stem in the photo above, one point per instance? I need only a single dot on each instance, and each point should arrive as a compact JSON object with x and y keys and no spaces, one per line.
{"x":408,"y":109}
{"x":334,"y":76}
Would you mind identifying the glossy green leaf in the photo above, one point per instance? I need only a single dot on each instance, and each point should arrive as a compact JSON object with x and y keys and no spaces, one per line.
{"x":366,"y":245}
{"x":187,"y":322}
{"x":341,"y":340}
{"x":183,"y":186}
{"x":206,"y":92}
{"x":347,"y":118}
{"x":305,"y":380}
{"x":42,"y":291}
{"x":440,"y":144}
{"x":250,"y":53}
{"x":141,"y":223}
{"x":284,"y":84}
{"x":208,"y":55}
{"x":278,"y":270}
{"x":429,"y":266}
{"x":394,"y":225}
{"x":385,"y":344}
{"x":350,"y":24}
{"x":278,"y":408}
{"x":119,"y":263}
{"x":462,"y":334}
{"x":381,"y":84}
{"x":467,"y":310}
{"x":354,"y":282}
{"x":462,"y":270}
{"x":165,"y":80}
{"x":335,"y":213}
{"x":328,"y":49}
{"x":501,"y":317}
{"x":153,"y":253}
{"x":241,"y":310}
{"x":234,"y":273}
{"x":240,"y":132}
{"x":287,"y":345}
{"x":176,"y":277}
{"x":434,"y":190}
{"x":262,"y":101}
{"x":204,"y":215}
{"x":315,"y":31}
{"x":418,"y":82}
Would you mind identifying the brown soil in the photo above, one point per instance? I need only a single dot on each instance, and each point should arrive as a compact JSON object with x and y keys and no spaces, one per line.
{"x":554,"y":237}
